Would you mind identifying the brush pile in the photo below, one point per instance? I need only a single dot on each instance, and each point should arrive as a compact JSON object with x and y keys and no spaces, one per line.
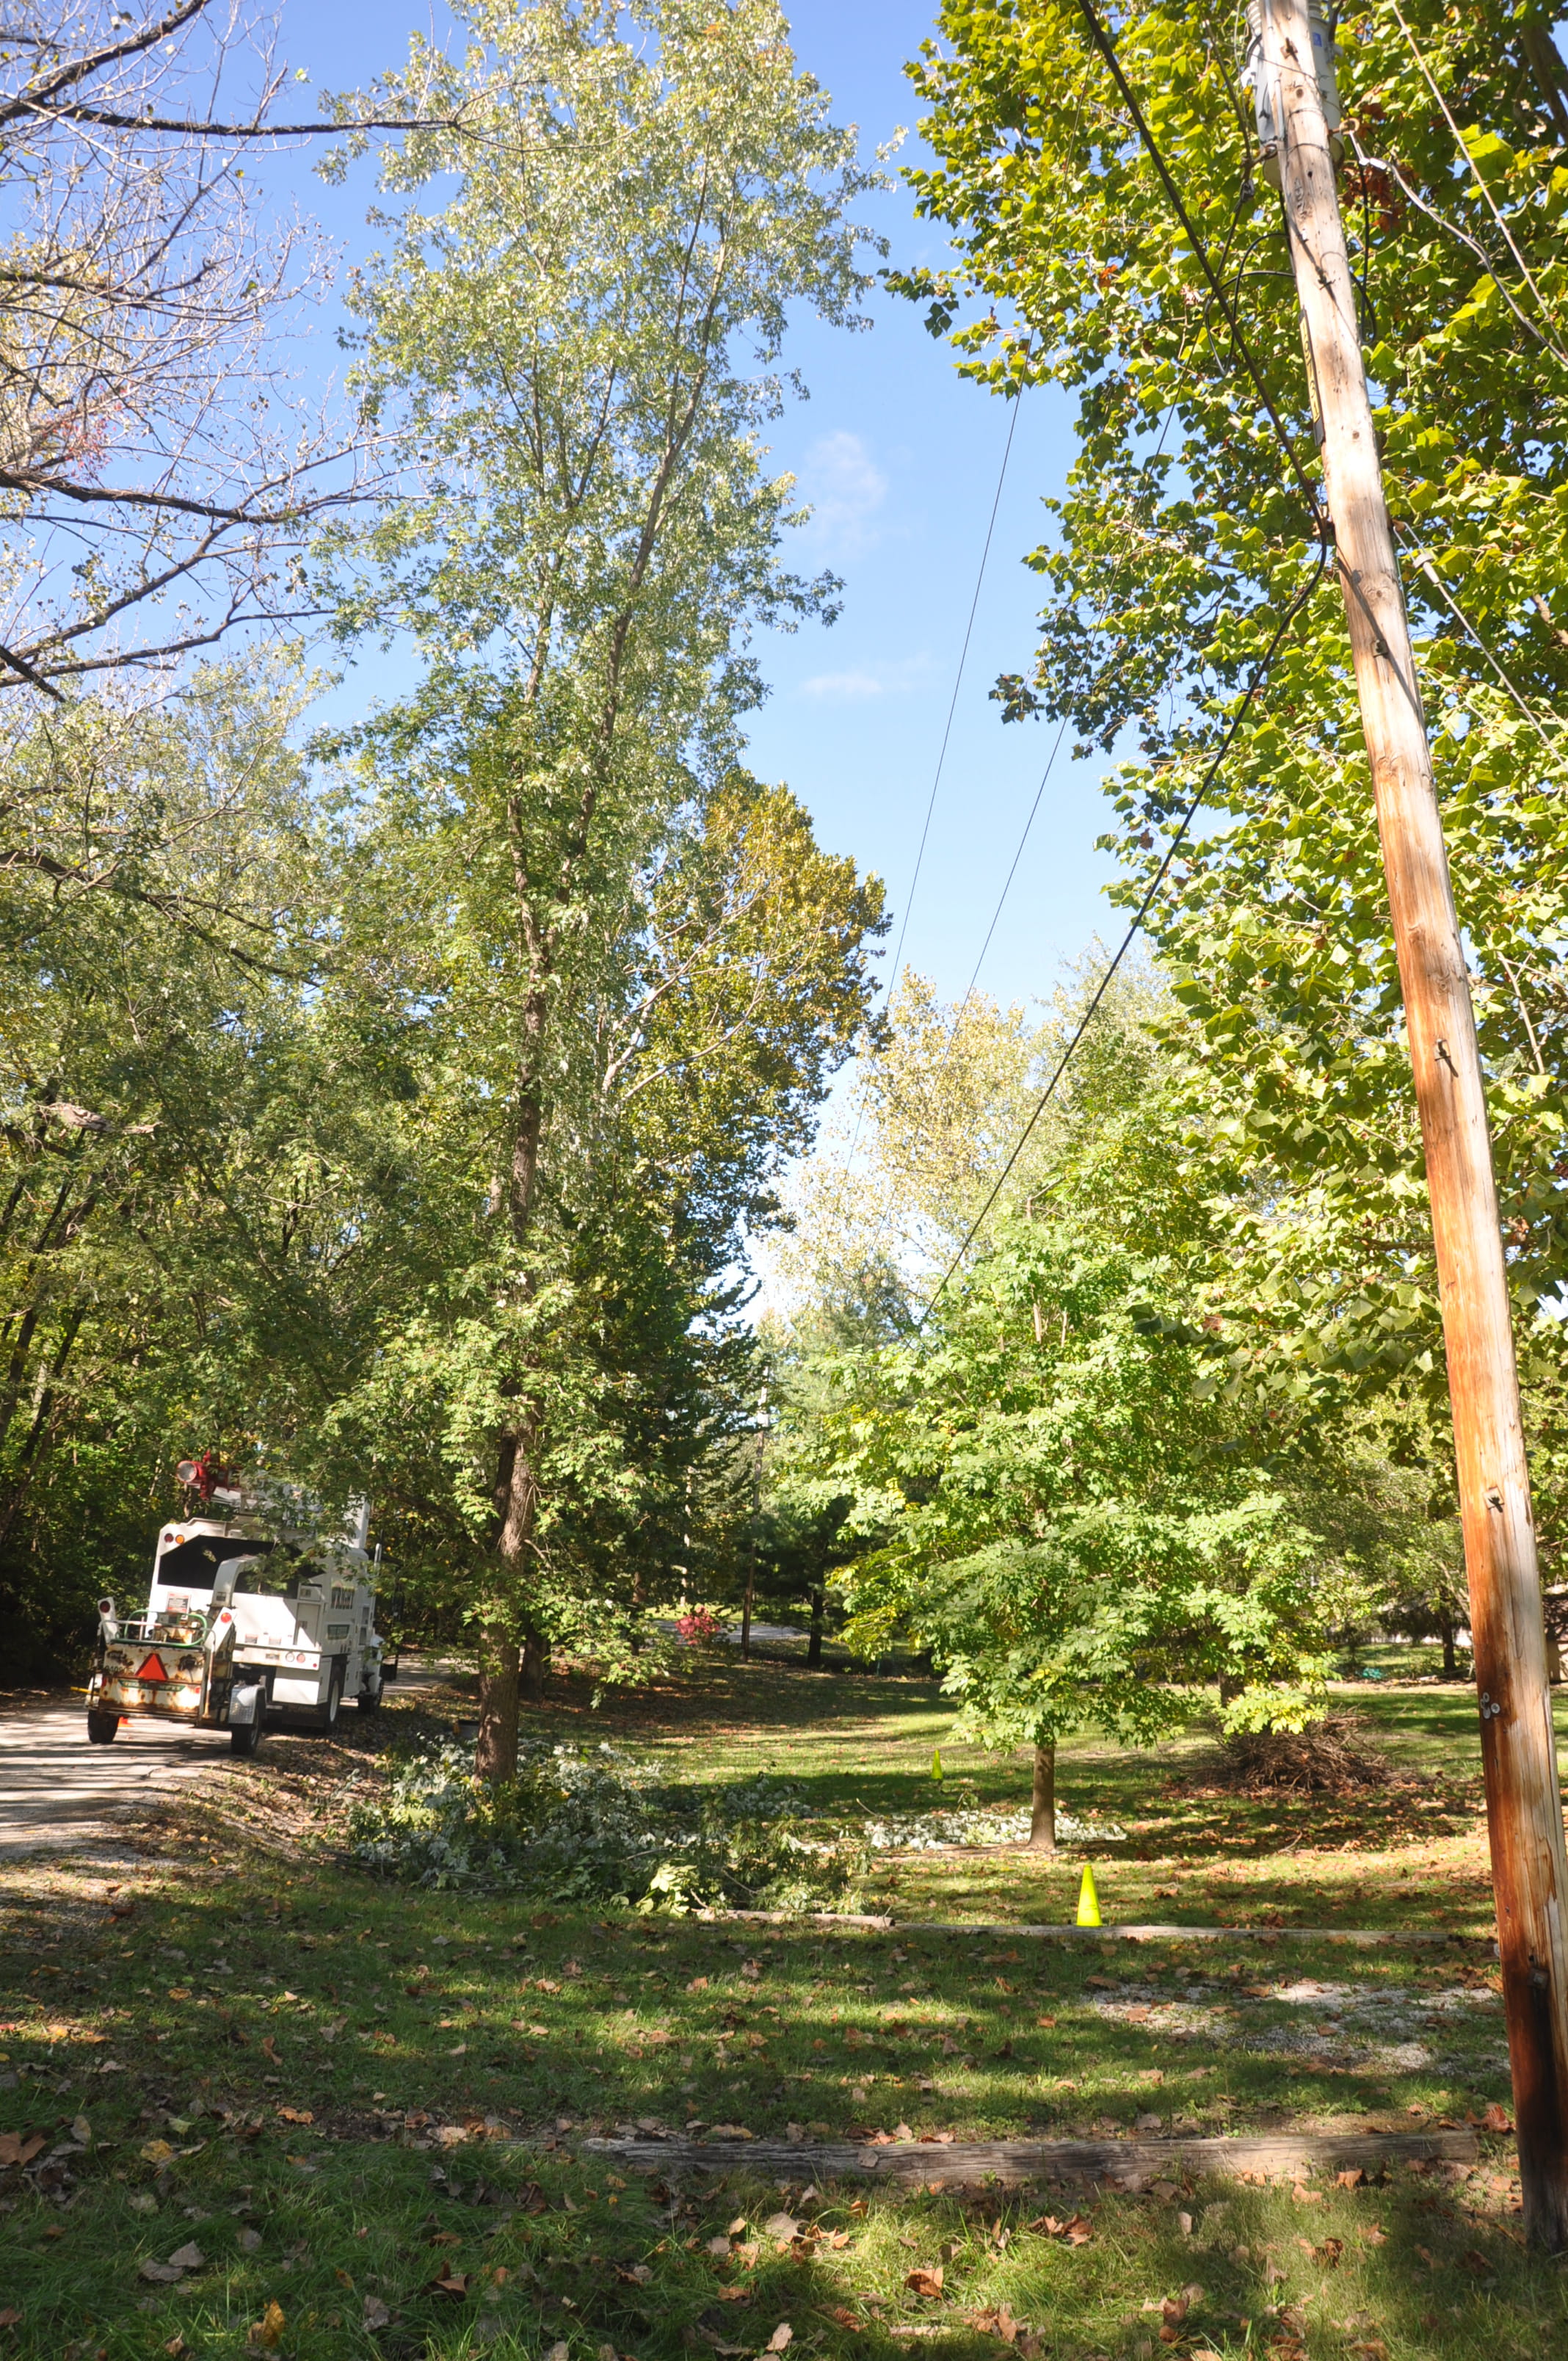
{"x":1331,"y":1757}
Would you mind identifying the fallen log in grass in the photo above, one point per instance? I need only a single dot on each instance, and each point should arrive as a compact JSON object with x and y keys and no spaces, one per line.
{"x":1131,"y":2164}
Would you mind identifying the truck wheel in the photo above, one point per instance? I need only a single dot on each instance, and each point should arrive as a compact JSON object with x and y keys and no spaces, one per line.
{"x":103,"y":1728}
{"x":246,"y":1737}
{"x":369,"y":1699}
{"x":334,"y":1698}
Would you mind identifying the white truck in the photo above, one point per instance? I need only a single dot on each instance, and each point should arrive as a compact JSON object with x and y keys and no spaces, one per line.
{"x":256,"y":1611}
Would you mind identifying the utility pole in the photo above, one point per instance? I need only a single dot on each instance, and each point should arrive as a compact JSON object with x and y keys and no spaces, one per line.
{"x":756,"y":1519}
{"x":1524,"y":1809}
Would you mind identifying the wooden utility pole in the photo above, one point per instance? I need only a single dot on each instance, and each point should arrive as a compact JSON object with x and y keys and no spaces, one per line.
{"x":756,"y":1519}
{"x":1529,"y":1865}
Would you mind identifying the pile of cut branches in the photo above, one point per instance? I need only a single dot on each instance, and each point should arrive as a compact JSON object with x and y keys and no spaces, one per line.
{"x":1333,"y":1756}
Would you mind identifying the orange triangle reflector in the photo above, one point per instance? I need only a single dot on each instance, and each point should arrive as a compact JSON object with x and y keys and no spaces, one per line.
{"x":151,"y":1668}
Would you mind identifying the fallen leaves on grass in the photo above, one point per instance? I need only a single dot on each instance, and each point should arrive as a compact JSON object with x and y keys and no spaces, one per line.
{"x":448,"y":2283}
{"x":1493,"y":2119}
{"x":376,"y":2314}
{"x":155,"y":2151}
{"x":783,"y":2334}
{"x":925,"y":2279}
{"x":1077,"y":2229}
{"x":162,"y":2274}
{"x":295,"y":2115}
{"x":996,"y":2321}
{"x":266,"y":2334}
{"x":20,"y":2148}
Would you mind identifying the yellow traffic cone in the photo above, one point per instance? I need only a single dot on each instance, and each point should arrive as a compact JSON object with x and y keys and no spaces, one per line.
{"x":1088,"y":1900}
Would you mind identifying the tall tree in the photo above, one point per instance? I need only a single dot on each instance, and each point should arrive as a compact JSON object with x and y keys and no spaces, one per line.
{"x":1188,"y":527}
{"x":641,"y":195}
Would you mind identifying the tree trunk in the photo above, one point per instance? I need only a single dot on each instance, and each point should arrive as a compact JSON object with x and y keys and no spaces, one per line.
{"x":495,"y":1756}
{"x":1450,"y":1659}
{"x":1231,"y":1687}
{"x":1043,"y":1802}
{"x":813,"y":1651}
{"x":535,"y":1656}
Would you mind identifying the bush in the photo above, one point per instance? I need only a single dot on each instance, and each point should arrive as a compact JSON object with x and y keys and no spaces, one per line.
{"x":579,"y":1824}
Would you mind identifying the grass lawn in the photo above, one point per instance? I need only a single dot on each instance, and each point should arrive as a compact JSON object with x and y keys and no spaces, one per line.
{"x":352,"y":2110}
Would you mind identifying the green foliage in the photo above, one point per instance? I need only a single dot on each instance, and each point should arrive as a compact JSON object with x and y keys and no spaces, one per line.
{"x":580,"y":1824}
{"x":1183,"y":532}
{"x":190,"y":1150}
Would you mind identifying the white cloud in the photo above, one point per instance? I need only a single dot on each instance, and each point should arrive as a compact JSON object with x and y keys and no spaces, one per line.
{"x":843,"y":487}
{"x":869,"y":680}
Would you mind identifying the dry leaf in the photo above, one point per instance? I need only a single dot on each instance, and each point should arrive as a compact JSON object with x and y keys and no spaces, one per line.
{"x":270,"y":2046}
{"x":82,"y":2132}
{"x":1353,"y":2179}
{"x":9,"y":2317}
{"x":189,"y":2257}
{"x":720,"y":2245}
{"x":1374,"y":2235}
{"x":1480,"y":2264}
{"x":562,"y":2352}
{"x":176,"y":2348}
{"x":1371,"y":2348}
{"x":842,"y":2315}
{"x":1077,"y":2229}
{"x":377,"y":2315}
{"x":295,"y":2115}
{"x":449,"y":2283}
{"x":17,"y":2147}
{"x":163,"y":2274}
{"x":153,"y":2151}
{"x":1492,"y":2119}
{"x":266,"y":2334}
{"x":697,"y":1983}
{"x":923,"y":2280}
{"x":781,"y":2225}
{"x":1329,"y":2252}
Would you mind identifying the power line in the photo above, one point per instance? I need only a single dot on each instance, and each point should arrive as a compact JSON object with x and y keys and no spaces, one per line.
{"x":1107,"y":49}
{"x":1259,"y":674}
{"x":958,"y":683}
{"x":948,"y":727}
{"x":1007,"y":882}
{"x":1425,"y":566}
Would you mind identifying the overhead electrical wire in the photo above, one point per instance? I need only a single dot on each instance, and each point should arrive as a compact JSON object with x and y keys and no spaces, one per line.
{"x":958,"y":684}
{"x":1239,"y":346}
{"x":1254,"y":683}
{"x":1006,"y":884}
{"x":1425,"y":566}
{"x":1106,"y":47}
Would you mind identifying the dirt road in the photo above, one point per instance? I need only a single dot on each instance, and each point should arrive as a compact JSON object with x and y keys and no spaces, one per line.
{"x":54,"y":1786}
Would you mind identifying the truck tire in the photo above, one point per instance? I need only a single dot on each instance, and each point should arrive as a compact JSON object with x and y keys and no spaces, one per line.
{"x":246,"y":1737}
{"x":103,"y":1728}
{"x":369,"y":1700}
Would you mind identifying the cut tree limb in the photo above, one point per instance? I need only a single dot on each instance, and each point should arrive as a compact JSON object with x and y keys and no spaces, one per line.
{"x":1127,"y":2164}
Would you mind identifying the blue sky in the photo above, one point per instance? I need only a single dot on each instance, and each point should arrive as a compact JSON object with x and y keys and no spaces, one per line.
{"x":900,"y":459}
